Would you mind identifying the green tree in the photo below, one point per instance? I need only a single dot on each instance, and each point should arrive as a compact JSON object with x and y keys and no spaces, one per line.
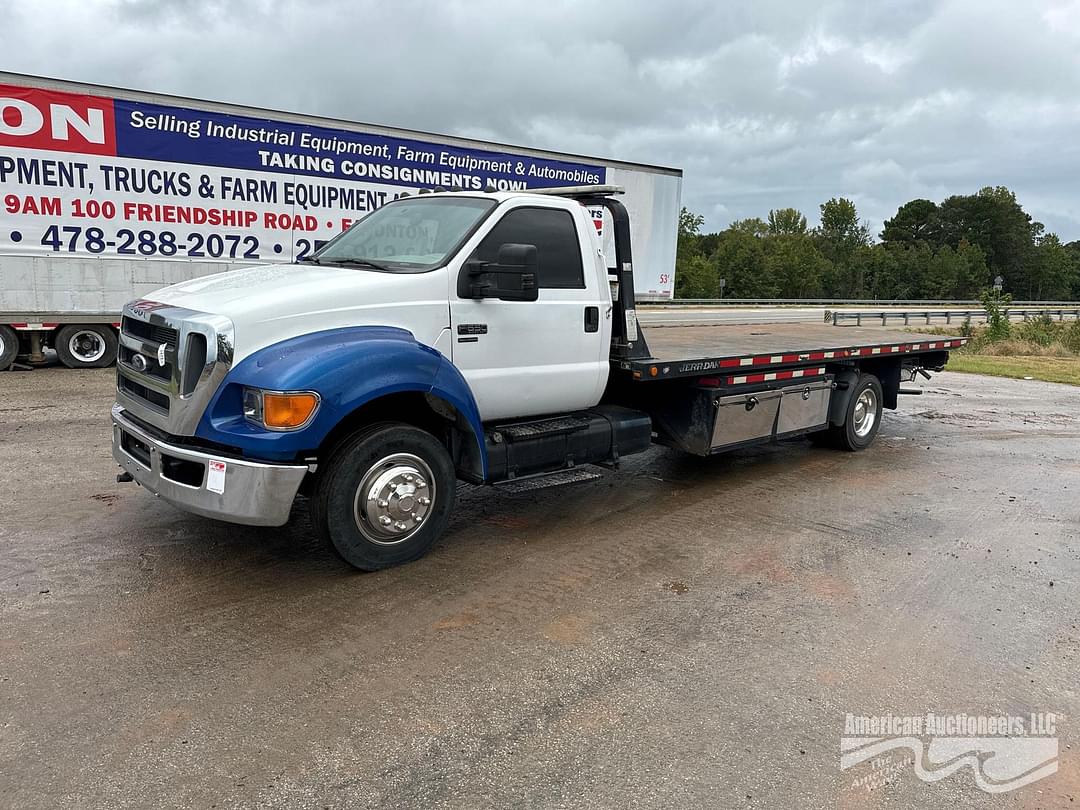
{"x":755,"y":226}
{"x":840,"y":232}
{"x":740,"y":260}
{"x":943,"y":274}
{"x":912,"y":270}
{"x":688,"y":247}
{"x":786,"y":221}
{"x":1074,"y":254}
{"x":697,"y":279}
{"x":915,"y":221}
{"x":881,"y":272}
{"x":1052,"y":271}
{"x":838,"y":237}
{"x":993,"y":220}
{"x":974,"y":274}
{"x":795,"y":266}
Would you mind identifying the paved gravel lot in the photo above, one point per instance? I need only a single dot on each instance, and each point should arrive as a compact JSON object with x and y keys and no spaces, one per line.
{"x":681,"y":633}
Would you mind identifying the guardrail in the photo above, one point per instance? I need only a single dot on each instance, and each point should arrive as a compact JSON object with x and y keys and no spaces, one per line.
{"x":839,"y":317}
{"x":838,"y":302}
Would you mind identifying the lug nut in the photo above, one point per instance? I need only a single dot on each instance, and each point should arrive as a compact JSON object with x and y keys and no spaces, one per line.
{"x":384,"y":520}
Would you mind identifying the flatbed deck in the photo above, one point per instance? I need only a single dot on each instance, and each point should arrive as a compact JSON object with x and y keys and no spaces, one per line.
{"x":685,"y":351}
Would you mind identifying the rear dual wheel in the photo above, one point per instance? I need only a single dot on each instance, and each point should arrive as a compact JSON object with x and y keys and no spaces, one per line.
{"x":862,"y":419}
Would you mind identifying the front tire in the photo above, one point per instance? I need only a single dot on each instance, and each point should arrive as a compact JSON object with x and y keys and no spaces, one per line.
{"x":385,"y":496}
{"x":86,"y":346}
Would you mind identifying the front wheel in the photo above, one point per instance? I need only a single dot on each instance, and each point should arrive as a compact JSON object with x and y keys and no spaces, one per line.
{"x":385,"y":496}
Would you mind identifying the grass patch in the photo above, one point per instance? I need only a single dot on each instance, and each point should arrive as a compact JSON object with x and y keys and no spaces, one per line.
{"x":1040,"y":349}
{"x":1049,"y":369}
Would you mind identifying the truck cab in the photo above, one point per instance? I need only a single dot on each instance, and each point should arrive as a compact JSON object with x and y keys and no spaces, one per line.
{"x":445,"y":312}
{"x":450,"y":336}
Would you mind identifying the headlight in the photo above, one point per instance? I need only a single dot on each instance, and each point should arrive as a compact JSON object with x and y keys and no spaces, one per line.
{"x":280,"y":410}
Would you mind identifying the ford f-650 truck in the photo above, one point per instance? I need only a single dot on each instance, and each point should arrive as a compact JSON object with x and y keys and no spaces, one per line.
{"x":447,"y":336}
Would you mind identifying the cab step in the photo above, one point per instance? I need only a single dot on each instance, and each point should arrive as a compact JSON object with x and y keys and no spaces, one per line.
{"x":546,"y":480}
{"x":557,"y":426}
{"x":564,"y":443}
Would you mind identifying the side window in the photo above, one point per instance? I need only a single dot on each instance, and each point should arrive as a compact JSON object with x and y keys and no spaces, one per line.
{"x":558,"y":252}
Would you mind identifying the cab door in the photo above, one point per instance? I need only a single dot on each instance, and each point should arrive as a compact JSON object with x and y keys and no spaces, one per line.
{"x":526,"y":358}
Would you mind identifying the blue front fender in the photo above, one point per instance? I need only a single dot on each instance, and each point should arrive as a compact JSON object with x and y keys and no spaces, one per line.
{"x":348,"y":368}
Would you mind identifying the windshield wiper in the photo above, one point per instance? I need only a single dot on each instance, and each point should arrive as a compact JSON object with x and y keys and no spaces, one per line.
{"x":353,"y":263}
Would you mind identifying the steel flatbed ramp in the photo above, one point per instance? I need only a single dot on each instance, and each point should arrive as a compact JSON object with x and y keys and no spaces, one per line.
{"x":681,"y":351}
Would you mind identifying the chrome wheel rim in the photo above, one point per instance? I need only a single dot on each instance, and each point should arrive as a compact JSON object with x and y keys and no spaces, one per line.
{"x":394,"y":499}
{"x":865,"y":413}
{"x":87,"y":346}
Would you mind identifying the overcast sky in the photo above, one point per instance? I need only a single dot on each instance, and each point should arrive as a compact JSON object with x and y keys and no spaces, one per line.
{"x":763,"y":104}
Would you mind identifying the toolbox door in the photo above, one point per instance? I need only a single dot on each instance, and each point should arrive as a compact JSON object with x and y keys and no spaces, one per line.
{"x":745,"y":417}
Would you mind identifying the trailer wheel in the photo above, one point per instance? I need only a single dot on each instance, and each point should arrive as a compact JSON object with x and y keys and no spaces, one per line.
{"x":863,"y":417}
{"x":385,"y":496}
{"x":86,"y":346}
{"x":9,"y":347}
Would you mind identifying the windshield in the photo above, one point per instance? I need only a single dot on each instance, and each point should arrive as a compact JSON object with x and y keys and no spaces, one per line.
{"x":411,"y":234}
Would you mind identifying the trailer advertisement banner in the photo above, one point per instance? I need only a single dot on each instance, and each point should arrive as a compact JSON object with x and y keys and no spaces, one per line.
{"x":82,"y":174}
{"x":88,"y":176}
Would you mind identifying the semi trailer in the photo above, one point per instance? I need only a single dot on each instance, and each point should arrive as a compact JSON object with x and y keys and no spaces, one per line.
{"x":107,"y":194}
{"x":483,"y":337}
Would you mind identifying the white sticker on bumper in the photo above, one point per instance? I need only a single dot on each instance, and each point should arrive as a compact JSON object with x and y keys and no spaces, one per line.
{"x":215,"y":477}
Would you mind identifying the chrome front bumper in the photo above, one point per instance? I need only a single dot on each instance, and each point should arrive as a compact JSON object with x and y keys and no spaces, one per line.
{"x":252,"y":493}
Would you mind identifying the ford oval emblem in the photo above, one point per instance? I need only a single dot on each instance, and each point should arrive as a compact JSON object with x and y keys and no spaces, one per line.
{"x":138,"y":362}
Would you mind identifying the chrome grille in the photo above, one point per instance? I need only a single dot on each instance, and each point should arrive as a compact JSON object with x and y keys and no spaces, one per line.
{"x":156,"y":399}
{"x":165,"y":374}
{"x":150,"y":332}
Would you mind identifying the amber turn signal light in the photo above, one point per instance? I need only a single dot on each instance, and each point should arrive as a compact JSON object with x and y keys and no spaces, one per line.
{"x":288,"y":411}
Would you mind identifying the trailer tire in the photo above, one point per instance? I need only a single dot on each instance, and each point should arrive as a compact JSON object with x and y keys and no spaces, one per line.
{"x":9,"y":347}
{"x":88,"y":345}
{"x":385,"y":496}
{"x":862,"y":418}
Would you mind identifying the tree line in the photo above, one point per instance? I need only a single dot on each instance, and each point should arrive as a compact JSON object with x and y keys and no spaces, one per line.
{"x":948,"y":250}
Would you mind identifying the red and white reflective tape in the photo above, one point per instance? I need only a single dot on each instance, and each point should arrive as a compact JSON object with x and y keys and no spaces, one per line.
{"x":32,"y":326}
{"x":793,"y":374}
{"x":835,"y":354}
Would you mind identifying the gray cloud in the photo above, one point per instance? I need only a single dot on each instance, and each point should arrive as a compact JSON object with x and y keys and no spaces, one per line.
{"x":764,"y":105}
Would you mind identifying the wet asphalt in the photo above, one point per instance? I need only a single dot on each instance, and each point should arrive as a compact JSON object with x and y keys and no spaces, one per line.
{"x":679,"y":633}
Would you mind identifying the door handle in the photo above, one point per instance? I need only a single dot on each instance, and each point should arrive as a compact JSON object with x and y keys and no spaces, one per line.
{"x":592,"y":319}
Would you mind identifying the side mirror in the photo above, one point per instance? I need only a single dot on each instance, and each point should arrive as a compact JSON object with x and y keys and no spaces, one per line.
{"x":512,"y":278}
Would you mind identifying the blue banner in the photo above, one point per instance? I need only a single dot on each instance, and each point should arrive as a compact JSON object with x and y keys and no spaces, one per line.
{"x":179,"y":135}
